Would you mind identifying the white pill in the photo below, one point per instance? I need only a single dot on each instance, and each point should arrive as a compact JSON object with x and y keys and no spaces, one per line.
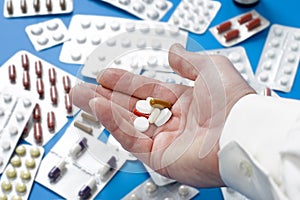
{"x":163,"y":117}
{"x":161,"y":4}
{"x":141,"y":124}
{"x":81,"y":39}
{"x":58,"y":37}
{"x":130,"y":27}
{"x":96,"y":40}
{"x":138,"y":7}
{"x":288,"y":70}
{"x":284,"y":81}
{"x":100,"y":25}
{"x":7,"y":98}
{"x":19,"y":116}
{"x":42,"y":41}
{"x":76,"y":56}
{"x":234,"y":57}
{"x":183,"y":190}
{"x":37,"y":30}
{"x":264,"y":77}
{"x":153,"y":14}
{"x":85,"y":24}
{"x":150,"y":187}
{"x":154,"y":115}
{"x":267,"y":65}
{"x":26,"y":102}
{"x":141,"y":44}
{"x":13,"y":130}
{"x":124,"y":2}
{"x":5,"y":145}
{"x":143,"y":107}
{"x":115,"y":26}
{"x":111,"y":42}
{"x":52,"y":26}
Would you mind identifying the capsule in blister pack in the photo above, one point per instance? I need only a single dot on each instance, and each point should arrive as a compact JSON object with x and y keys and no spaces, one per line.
{"x":18,"y":177}
{"x":149,"y":190}
{"x":47,"y":34}
{"x":195,"y":15}
{"x":239,"y":28}
{"x":24,"y":8}
{"x":144,"y":9}
{"x":279,"y":60}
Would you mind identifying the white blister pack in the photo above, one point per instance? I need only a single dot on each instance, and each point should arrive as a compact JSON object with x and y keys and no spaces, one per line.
{"x":50,"y":85}
{"x":230,"y":194}
{"x":24,"y":8}
{"x":279,"y":60}
{"x":16,"y":107}
{"x":88,"y":32}
{"x":18,"y":177}
{"x":195,"y":15}
{"x":149,"y":190}
{"x":79,"y":165}
{"x":239,"y":28}
{"x":157,"y":178}
{"x":47,"y":34}
{"x":145,"y":9}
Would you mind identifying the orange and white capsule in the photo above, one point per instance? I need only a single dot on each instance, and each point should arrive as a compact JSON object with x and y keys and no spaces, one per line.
{"x":53,"y":94}
{"x":67,"y":83}
{"x":52,"y":76}
{"x":40,"y":87}
{"x":12,"y":73}
{"x":25,"y":61}
{"x":26,"y":80}
{"x":38,"y":69}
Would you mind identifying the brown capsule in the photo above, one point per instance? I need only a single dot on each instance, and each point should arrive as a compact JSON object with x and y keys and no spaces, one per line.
{"x":67,"y":83}
{"x":9,"y":7}
{"x":38,"y":133}
{"x":38,"y":69}
{"x":253,"y":24}
{"x":12,"y":73}
{"x":267,"y":92}
{"x":49,"y":5}
{"x":26,"y":130}
{"x":51,"y":120}
{"x":161,"y":104}
{"x":40,"y":87}
{"x":23,"y":6}
{"x":53,"y":94}
{"x":68,"y":103}
{"x":245,"y":18}
{"x":224,"y":27}
{"x":26,"y":80}
{"x":37,"y":113}
{"x":52,"y":76}
{"x":83,"y":127}
{"x":63,"y":4}
{"x":36,"y":5}
{"x":230,"y":35}
{"x":25,"y":62}
{"x":88,"y":117}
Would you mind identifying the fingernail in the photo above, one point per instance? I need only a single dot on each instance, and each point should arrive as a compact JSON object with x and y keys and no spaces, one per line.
{"x":92,"y":105}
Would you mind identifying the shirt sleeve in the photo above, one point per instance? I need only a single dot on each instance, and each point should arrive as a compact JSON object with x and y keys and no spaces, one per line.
{"x":260,"y":148}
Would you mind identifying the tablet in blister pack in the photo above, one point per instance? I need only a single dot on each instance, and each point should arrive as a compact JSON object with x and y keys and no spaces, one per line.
{"x":18,"y":177}
{"x":88,"y":32}
{"x":279,"y":60}
{"x":195,"y":15}
{"x":74,"y":168}
{"x":144,"y":9}
{"x":24,"y":8}
{"x":239,"y":28}
{"x":47,"y":34}
{"x":16,"y":107}
{"x":149,"y":190}
{"x":50,"y":85}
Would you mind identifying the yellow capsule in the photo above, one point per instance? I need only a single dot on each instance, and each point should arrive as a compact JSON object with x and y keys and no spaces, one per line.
{"x":16,"y":161}
{"x":35,"y":152}
{"x":11,"y":173}
{"x":21,"y":187}
{"x":6,"y":186}
{"x":3,"y":197}
{"x":25,"y":175}
{"x":161,"y":104}
{"x":21,"y":150}
{"x":30,"y":163}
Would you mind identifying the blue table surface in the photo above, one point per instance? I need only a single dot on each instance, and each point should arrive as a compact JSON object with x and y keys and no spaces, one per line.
{"x":13,"y":39}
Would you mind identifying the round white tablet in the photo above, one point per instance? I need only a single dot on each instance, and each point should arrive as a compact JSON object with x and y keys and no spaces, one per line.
{"x":143,"y":106}
{"x":141,"y":124}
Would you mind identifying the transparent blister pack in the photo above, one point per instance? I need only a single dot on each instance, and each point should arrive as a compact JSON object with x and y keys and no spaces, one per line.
{"x":195,"y":15}
{"x":230,"y":194}
{"x":16,"y":107}
{"x":18,"y":177}
{"x":74,"y":168}
{"x":149,"y":190}
{"x":144,"y":9}
{"x":279,"y":60}
{"x":50,"y":85}
{"x":47,"y":34}
{"x":88,"y":32}
{"x":157,"y":178}
{"x":25,"y":8}
{"x":115,"y":144}
{"x":239,"y":28}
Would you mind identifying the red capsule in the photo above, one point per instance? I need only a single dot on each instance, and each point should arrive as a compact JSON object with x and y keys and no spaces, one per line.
{"x":26,"y":80}
{"x":224,"y":27}
{"x":68,"y":103}
{"x":267,"y":92}
{"x":53,"y":94}
{"x":38,"y":133}
{"x":52,"y":76}
{"x":245,"y":18}
{"x":38,"y":69}
{"x":25,"y":130}
{"x":139,"y":114}
{"x":37,"y":113}
{"x":12,"y":73}
{"x":67,"y":84}
{"x":25,"y":62}
{"x":51,"y":120}
{"x":253,"y":24}
{"x":230,"y":35}
{"x":40,"y":87}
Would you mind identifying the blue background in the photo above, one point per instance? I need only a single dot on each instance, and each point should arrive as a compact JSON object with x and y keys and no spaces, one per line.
{"x":13,"y":39}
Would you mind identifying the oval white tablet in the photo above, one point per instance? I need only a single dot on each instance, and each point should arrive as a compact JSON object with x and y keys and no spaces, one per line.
{"x":143,"y":106}
{"x":163,"y":117}
{"x":153,"y":116}
{"x":141,"y":124}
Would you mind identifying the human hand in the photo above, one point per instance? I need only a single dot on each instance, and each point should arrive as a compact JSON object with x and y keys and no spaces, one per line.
{"x":186,"y":147}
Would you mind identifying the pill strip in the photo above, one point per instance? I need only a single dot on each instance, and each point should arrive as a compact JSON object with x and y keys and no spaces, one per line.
{"x":279,"y":60}
{"x":195,"y":15}
{"x":19,"y":108}
{"x":18,"y":177}
{"x":50,"y":85}
{"x":239,"y":28}
{"x":145,"y":9}
{"x":24,"y":8}
{"x":148,"y":189}
{"x":80,"y":171}
{"x":47,"y":34}
{"x":88,"y":32}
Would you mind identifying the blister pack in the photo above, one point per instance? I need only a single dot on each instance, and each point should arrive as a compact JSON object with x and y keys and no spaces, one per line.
{"x":88,"y":32}
{"x":47,"y":34}
{"x":157,"y":178}
{"x":50,"y":85}
{"x":24,"y":8}
{"x":195,"y":15}
{"x":16,"y":107}
{"x":239,"y":28}
{"x":149,"y":190}
{"x":145,"y":9}
{"x":279,"y":60}
{"x":75,"y":169}
{"x":18,"y":177}
{"x":230,"y":194}
{"x":115,"y":144}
